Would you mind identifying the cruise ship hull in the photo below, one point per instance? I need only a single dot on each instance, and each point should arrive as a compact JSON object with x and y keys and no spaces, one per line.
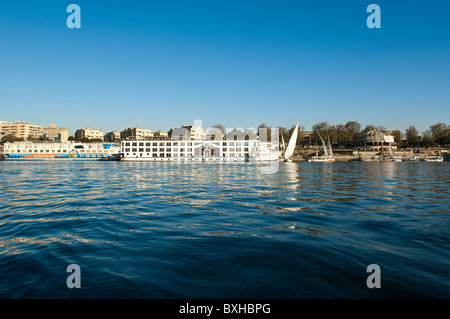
{"x":192,"y":151}
{"x":27,"y":151}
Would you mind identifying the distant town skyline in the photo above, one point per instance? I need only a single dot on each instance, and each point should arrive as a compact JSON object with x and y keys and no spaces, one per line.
{"x":160,"y":64}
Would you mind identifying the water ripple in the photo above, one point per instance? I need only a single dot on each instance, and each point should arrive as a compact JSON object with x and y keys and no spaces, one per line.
{"x":170,"y":230}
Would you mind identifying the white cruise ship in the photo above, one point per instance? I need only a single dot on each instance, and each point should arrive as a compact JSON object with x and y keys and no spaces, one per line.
{"x":199,"y":151}
{"x":69,"y":151}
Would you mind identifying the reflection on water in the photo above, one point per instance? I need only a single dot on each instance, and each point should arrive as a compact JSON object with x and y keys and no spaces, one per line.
{"x":177,"y":230}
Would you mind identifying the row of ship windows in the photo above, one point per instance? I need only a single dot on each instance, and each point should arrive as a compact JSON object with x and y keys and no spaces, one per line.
{"x":182,"y":155}
{"x":238,"y":149}
{"x":32,"y":147}
{"x":49,"y":151}
{"x":185,"y":144}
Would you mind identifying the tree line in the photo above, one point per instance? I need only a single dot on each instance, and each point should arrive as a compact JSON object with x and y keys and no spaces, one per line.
{"x":345,"y":134}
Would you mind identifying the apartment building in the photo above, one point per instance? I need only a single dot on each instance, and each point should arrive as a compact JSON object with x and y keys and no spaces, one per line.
{"x":88,"y":133}
{"x":53,"y":133}
{"x":112,"y":136}
{"x":21,"y":130}
{"x":136,"y":133}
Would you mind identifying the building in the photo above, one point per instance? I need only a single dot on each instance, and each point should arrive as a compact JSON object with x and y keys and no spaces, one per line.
{"x":88,"y":133}
{"x":136,"y":133}
{"x":52,"y":133}
{"x":21,"y":130}
{"x":374,"y":140}
{"x":187,"y":132}
{"x":112,"y":136}
{"x":161,"y":134}
{"x":1,"y":128}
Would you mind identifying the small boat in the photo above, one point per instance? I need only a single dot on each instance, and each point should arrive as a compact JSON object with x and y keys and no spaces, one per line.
{"x":413,"y":159}
{"x":435,"y":158}
{"x":327,"y":152}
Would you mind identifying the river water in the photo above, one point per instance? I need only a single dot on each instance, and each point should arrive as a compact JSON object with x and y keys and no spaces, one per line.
{"x":222,"y":230}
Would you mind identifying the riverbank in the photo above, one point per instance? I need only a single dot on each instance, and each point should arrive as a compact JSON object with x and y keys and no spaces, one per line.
{"x":345,"y":155}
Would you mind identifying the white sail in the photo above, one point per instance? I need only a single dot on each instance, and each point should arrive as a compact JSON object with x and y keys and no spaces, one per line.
{"x":324,"y":146}
{"x":330,"y":149}
{"x":291,"y":146}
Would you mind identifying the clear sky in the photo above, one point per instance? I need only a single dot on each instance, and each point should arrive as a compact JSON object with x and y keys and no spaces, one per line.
{"x":162,"y":64}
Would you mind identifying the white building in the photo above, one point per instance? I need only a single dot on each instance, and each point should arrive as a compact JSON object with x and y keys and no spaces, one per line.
{"x":89,"y":133}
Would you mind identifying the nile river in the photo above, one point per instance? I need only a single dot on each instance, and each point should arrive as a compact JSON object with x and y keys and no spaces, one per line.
{"x":200,"y":230}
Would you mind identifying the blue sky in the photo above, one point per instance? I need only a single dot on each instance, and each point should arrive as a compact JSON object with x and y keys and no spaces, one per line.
{"x":162,"y":64}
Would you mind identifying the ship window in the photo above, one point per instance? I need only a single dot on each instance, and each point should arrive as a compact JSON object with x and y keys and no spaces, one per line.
{"x":35,"y":151}
{"x":141,"y":150}
{"x":155,"y":155}
{"x":141,"y":144}
{"x":134,"y":150}
{"x":147,"y":144}
{"x":127,"y":150}
{"x":134,"y":144}
{"x":127,"y":143}
{"x":147,"y":150}
{"x":64,"y":151}
{"x":169,"y":150}
{"x":224,"y":149}
{"x":155,"y":150}
{"x":47,"y":151}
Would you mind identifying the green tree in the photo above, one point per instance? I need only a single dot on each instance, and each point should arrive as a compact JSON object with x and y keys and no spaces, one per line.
{"x":427,"y":139}
{"x":369,"y":127}
{"x":11,"y":138}
{"x":322,"y":128}
{"x":412,"y":137}
{"x":440,"y":133}
{"x":398,"y":138}
{"x":353,"y":128}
